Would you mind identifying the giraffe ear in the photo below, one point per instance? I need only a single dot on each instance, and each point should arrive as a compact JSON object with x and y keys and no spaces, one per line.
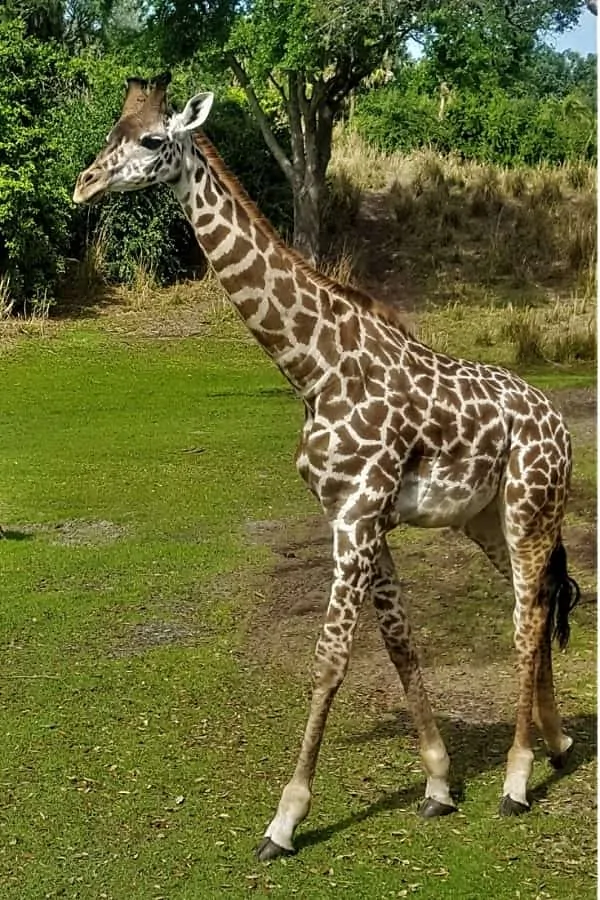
{"x":193,"y":116}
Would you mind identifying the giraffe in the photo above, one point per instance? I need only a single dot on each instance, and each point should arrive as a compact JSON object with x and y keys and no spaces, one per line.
{"x":393,"y":433}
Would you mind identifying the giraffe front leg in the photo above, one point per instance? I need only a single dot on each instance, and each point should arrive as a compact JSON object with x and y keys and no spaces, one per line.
{"x":396,"y":632}
{"x":296,"y":797}
{"x":352,"y":576}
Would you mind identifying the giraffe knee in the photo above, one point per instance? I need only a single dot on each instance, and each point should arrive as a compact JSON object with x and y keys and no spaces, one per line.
{"x":329,"y":669}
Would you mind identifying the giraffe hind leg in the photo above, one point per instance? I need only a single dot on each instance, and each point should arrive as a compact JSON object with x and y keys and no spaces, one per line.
{"x":486,"y":531}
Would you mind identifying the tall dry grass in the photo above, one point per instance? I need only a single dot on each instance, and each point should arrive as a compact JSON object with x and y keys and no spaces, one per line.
{"x":486,"y":223}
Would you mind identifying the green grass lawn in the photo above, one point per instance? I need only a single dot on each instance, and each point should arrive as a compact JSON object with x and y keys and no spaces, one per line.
{"x":146,"y":735}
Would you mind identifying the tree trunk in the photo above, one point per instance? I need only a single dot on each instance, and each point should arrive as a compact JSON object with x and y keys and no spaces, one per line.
{"x":311,"y":143}
{"x":308,"y":195}
{"x":311,"y":114}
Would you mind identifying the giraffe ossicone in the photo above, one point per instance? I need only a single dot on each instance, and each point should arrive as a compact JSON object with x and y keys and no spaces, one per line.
{"x":394,"y":433}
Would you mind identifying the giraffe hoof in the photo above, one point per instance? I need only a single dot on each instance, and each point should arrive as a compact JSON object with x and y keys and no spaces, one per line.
{"x":268,"y":849}
{"x":510,"y":807}
{"x":559,"y":761}
{"x":430,"y":808}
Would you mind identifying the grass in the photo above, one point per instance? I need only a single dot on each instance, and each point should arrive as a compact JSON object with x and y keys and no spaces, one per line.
{"x":146,"y":733}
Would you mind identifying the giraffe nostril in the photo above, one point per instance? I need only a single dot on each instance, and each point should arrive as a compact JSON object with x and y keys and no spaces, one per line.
{"x":88,"y":177}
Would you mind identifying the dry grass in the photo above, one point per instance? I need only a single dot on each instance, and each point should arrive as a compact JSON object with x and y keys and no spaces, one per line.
{"x":187,"y":308}
{"x":91,"y":270}
{"x":563,"y":332}
{"x":7,"y":302}
{"x":470,"y":221}
{"x":346,"y":266}
{"x":30,"y":319}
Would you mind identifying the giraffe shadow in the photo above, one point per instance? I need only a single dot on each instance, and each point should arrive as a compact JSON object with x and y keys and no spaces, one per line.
{"x":474,"y":748}
{"x":8,"y":534}
{"x":279,"y":391}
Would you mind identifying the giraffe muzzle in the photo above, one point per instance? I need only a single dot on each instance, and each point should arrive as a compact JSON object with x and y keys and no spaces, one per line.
{"x":89,"y":187}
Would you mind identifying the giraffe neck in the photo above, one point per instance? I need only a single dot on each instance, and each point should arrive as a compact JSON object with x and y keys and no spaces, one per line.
{"x":283,"y":303}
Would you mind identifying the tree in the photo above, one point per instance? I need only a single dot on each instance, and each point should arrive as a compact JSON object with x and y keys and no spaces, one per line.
{"x":483,"y":44}
{"x":557,"y":74}
{"x":305,"y":57}
{"x":75,"y":24}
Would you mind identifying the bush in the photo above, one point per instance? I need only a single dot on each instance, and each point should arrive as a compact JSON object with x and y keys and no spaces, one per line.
{"x":55,"y":113}
{"x":394,"y":119}
{"x":34,"y":199}
{"x":495,"y":127}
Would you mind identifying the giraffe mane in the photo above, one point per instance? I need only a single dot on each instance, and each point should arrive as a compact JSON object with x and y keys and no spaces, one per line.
{"x":360,"y":298}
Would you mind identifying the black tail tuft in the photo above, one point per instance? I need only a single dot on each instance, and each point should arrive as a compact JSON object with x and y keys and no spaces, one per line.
{"x":564,"y":595}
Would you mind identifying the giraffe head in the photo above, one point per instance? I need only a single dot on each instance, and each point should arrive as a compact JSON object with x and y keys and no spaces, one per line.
{"x":146,"y":144}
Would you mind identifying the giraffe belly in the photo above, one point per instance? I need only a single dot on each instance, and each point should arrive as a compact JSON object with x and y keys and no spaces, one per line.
{"x":433,"y":498}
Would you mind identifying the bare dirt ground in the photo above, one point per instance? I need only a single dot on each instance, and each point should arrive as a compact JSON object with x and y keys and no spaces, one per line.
{"x":461,"y":609}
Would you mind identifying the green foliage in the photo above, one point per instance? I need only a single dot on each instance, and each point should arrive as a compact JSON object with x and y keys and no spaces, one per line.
{"x":480,"y":45}
{"x":55,"y":112}
{"x":34,"y":199}
{"x":144,"y":231}
{"x":136,"y":230}
{"x":498,"y":127}
{"x":396,"y":119}
{"x":75,"y":24}
{"x":554,"y":74}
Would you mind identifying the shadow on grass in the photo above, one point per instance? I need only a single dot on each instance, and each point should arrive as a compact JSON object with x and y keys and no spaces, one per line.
{"x":474,"y":748}
{"x":259,"y":392}
{"x":10,"y":535}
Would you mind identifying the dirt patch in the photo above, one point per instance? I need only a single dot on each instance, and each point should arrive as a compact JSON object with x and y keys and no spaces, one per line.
{"x":582,"y":546}
{"x":72,"y":532}
{"x":77,"y":532}
{"x":384,"y":272}
{"x":575,"y":403}
{"x":143,"y":636}
{"x":579,"y":407}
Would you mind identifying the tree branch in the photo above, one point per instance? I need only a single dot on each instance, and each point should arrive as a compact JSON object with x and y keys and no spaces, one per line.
{"x":278,"y":87}
{"x":592,"y":5}
{"x":270,"y":139}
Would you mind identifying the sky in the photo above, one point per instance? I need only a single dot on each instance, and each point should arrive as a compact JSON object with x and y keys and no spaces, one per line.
{"x":582,"y":38}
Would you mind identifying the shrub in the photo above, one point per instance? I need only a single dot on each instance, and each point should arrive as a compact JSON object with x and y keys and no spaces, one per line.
{"x":493,"y":127}
{"x":396,"y":120}
{"x":34,"y":199}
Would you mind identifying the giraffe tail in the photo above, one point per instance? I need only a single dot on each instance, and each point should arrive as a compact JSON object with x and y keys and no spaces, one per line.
{"x":564,"y":595}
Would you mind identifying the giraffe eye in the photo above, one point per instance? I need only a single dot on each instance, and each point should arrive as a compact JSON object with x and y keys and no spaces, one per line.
{"x":151,"y":141}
